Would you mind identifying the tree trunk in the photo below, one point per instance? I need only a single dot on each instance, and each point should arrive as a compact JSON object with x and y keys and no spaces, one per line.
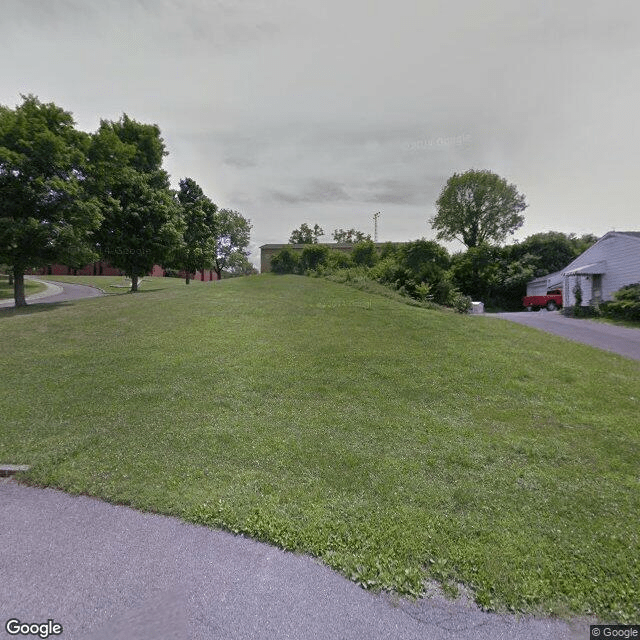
{"x":18,"y":287}
{"x":134,"y":283}
{"x":187,"y":278}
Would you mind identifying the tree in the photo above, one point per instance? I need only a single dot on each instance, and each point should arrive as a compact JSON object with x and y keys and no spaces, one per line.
{"x":478,"y":207}
{"x":198,"y":247}
{"x":350,"y":236}
{"x":305,"y":234}
{"x":46,"y":215}
{"x":425,"y":260}
{"x":142,"y":223}
{"x":313,"y":256}
{"x":232,"y":239}
{"x":287,"y":260}
{"x":239,"y":265}
{"x":364,"y":253}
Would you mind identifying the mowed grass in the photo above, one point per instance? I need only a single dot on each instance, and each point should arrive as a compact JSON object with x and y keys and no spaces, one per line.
{"x":7,"y":290}
{"x":394,"y":443}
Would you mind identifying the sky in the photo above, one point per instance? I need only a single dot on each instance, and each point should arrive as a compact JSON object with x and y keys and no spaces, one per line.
{"x":292,"y":111}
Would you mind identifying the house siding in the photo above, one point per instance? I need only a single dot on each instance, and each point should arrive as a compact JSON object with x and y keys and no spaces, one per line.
{"x":621,"y":254}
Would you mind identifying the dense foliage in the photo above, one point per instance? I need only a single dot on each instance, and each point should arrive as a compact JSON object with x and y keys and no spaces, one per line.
{"x":70,"y":197}
{"x":46,"y":213}
{"x":423,"y":270}
{"x":626,"y":304}
{"x":305,"y":234}
{"x":478,"y":207}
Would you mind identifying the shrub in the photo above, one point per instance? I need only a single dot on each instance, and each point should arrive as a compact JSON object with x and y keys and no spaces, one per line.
{"x":626,"y":304}
{"x":460,"y":302}
{"x":313,"y":256}
{"x":364,"y":253}
{"x":285,"y":261}
{"x":339,"y":260}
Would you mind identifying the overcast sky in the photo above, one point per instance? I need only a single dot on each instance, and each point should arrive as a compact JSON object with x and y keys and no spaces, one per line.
{"x":326,"y":112}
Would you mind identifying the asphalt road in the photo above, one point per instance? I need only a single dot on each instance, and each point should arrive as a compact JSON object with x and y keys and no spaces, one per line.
{"x":622,"y":340}
{"x":57,"y":292}
{"x":110,"y":572}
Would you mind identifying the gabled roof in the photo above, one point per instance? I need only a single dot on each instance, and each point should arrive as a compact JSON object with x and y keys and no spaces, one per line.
{"x":630,"y":234}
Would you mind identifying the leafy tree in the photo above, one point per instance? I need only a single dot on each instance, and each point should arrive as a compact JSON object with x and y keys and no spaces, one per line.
{"x":425,"y":260}
{"x":285,"y":261}
{"x":232,"y":239}
{"x":339,"y":260}
{"x":198,"y":247}
{"x":476,"y":272}
{"x":142,"y":224}
{"x":46,"y":214}
{"x":552,"y":250}
{"x":305,"y":234}
{"x":239,"y":265}
{"x":478,"y":207}
{"x":364,"y":253}
{"x":350,"y":236}
{"x":313,"y":255}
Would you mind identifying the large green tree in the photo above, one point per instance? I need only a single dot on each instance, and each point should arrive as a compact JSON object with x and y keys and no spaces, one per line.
{"x":478,"y":207}
{"x":142,"y":222}
{"x":350,"y":236}
{"x":46,"y":214}
{"x":198,"y":247}
{"x":305,"y":234}
{"x":232,"y":239}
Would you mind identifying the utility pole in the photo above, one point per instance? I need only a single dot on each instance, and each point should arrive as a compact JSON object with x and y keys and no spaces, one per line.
{"x":375,"y":226}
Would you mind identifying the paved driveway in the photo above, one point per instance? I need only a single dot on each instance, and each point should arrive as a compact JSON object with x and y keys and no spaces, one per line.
{"x":110,"y":572}
{"x":57,"y":292}
{"x":622,"y":340}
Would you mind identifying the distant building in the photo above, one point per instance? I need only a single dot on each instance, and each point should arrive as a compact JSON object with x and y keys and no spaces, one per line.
{"x":103,"y":268}
{"x":267,"y":251}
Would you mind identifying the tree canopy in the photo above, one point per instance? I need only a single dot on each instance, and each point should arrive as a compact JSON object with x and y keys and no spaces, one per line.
{"x":350,"y":236}
{"x":46,"y":214}
{"x":197,"y":250}
{"x":232,"y":239}
{"x":142,"y":223}
{"x":305,"y":234}
{"x":478,"y":207}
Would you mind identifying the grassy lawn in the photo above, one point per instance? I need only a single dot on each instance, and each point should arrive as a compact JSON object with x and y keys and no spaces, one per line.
{"x":30,"y":287}
{"x":395,"y":443}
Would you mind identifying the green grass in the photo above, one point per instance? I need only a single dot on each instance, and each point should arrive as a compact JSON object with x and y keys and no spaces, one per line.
{"x":30,"y":287}
{"x":395,"y":443}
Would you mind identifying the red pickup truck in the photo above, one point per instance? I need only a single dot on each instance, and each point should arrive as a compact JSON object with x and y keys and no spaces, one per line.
{"x":552,"y":301}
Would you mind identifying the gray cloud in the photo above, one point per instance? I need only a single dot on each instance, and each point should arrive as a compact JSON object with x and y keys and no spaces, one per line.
{"x":330,"y":111}
{"x":319,"y":191}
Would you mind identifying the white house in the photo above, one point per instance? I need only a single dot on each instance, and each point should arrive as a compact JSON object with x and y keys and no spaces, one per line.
{"x":608,"y":265}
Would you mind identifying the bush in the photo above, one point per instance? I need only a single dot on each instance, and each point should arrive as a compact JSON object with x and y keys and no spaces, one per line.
{"x":339,"y":260}
{"x":364,"y":253}
{"x":626,"y":304}
{"x":285,"y":261}
{"x":313,"y":256}
{"x":460,"y":302}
